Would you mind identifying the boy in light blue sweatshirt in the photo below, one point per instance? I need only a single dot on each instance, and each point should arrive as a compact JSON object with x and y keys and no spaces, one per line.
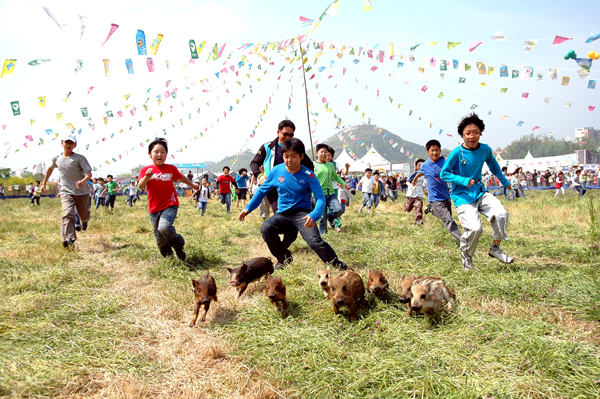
{"x":294,"y":184}
{"x":469,"y":194}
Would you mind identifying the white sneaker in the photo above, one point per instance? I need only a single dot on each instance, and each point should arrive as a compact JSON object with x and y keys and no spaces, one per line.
{"x":498,"y":254}
{"x":467,"y":261}
{"x":360,"y":207}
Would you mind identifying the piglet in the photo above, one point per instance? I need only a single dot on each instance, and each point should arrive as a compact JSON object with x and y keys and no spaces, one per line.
{"x":345,"y":288}
{"x":250,"y":271}
{"x":205,"y":291}
{"x":376,"y":282}
{"x":406,"y":293}
{"x":275,"y":291}
{"x":429,"y":295}
{"x":324,"y":275}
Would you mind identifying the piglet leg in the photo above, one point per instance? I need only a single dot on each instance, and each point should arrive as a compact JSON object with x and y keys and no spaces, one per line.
{"x":285,"y":308}
{"x":336,"y":309}
{"x":196,"y":310}
{"x":352,"y":309}
{"x":206,"y":307}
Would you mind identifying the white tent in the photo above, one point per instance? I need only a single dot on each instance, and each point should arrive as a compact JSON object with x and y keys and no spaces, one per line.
{"x":345,"y":158}
{"x":373,"y":159}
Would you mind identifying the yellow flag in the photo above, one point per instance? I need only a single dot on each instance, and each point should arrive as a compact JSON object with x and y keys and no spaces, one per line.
{"x":399,"y":105}
{"x":151,"y":119}
{"x":505,"y":117}
{"x":58,"y":116}
{"x":106,"y":67}
{"x":127,"y":97}
{"x":70,"y":126}
{"x":31,"y":122}
{"x":367,"y":5}
{"x":391,"y":49}
{"x":42,"y":102}
{"x":457,"y":100}
{"x":333,"y":8}
{"x":8,"y":68}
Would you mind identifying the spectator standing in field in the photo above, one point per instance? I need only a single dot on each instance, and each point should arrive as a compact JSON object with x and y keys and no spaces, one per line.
{"x":241,"y":181}
{"x":547,"y":176}
{"x":37,"y":193}
{"x":522,"y":181}
{"x":163,"y":203}
{"x":463,"y":169}
{"x":190,"y":176}
{"x":270,"y":155}
{"x":514,"y":185}
{"x":74,"y":172}
{"x":225,"y":181}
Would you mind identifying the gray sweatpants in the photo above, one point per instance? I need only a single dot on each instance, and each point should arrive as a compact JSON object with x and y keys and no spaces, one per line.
{"x":443,"y":211}
{"x":69,"y":204}
{"x":468,"y":215}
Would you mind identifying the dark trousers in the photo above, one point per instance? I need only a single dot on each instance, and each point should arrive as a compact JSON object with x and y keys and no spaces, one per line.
{"x":164,"y":232}
{"x":289,"y":225}
{"x":443,"y":211}
{"x":34,"y":198}
{"x":110,"y":201}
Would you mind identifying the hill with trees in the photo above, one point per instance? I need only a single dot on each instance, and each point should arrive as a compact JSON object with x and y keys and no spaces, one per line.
{"x":543,"y":146}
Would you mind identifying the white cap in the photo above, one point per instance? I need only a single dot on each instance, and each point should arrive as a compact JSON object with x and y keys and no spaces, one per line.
{"x":70,"y":137}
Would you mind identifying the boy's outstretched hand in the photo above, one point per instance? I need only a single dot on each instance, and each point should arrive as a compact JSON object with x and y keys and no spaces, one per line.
{"x":309,"y":222}
{"x":149,"y":172}
{"x":242,"y":215}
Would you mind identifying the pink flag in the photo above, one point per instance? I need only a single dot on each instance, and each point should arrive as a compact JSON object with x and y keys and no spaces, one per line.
{"x":221,"y":50}
{"x":113,"y":28}
{"x":424,"y":88}
{"x":344,"y":73}
{"x":449,"y":135}
{"x":525,"y":95}
{"x":590,"y":108}
{"x":535,"y":128}
{"x":374,"y":68}
{"x":559,"y":40}
{"x":474,"y":45}
{"x":90,"y":89}
{"x":330,"y":76}
{"x":377,"y":93}
{"x":324,"y":100}
{"x":312,"y":76}
{"x":381,"y":55}
{"x":4,"y":127}
{"x":167,"y":94}
{"x":350,"y":102}
{"x":150,"y":64}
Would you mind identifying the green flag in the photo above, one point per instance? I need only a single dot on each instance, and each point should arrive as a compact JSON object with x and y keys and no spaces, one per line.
{"x":84,"y":112}
{"x":461,"y":80}
{"x":443,"y":65}
{"x":467,"y":67}
{"x":193,"y":49}
{"x":16,"y":108}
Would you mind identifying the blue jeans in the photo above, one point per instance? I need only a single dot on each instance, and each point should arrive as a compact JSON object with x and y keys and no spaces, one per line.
{"x":226,"y":199}
{"x":101,"y":202}
{"x":166,"y":236}
{"x":581,"y":190}
{"x":202,"y":207}
{"x":367,"y":199}
{"x":376,"y":200}
{"x":131,"y":199}
{"x":289,"y":224}
{"x":335,"y":211}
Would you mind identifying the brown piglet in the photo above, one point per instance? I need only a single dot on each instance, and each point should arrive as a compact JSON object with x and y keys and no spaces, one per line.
{"x":345,"y":288}
{"x":324,"y":275}
{"x":376,"y":282}
{"x":205,"y":291}
{"x":275,"y":291}
{"x":250,"y":271}
{"x":428,"y":295}
{"x":405,"y":293}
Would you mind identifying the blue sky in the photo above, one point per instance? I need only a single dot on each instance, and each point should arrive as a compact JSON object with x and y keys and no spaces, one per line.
{"x":27,"y":33}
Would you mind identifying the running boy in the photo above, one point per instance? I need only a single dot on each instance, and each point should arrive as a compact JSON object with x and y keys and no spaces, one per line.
{"x":101,"y":193}
{"x":162,"y":198}
{"x":470,"y":197}
{"x":111,"y":189}
{"x":37,"y":193}
{"x":202,"y":195}
{"x":439,"y":193}
{"x":295,"y":184}
{"x":225,"y":182}
{"x":74,"y":171}
{"x":241,"y":180}
{"x":132,"y":193}
{"x":414,"y":194}
{"x":325,"y":172}
{"x":366,"y":184}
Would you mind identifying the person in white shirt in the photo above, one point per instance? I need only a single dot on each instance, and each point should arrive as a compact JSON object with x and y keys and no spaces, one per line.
{"x":202,"y":195}
{"x":132,"y":191}
{"x":366,"y":184}
{"x":414,"y":194}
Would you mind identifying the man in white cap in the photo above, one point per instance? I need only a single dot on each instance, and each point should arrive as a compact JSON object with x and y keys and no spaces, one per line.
{"x":74,"y":172}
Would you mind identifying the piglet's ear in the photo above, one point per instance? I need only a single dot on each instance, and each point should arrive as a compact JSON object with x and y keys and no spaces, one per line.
{"x":229,"y":269}
{"x":244,"y":267}
{"x":402,"y":277}
{"x":194,"y":283}
{"x":215,"y":298}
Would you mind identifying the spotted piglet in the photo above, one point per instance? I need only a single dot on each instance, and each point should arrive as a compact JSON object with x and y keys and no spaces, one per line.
{"x":205,"y":291}
{"x":406,"y":292}
{"x":275,"y":291}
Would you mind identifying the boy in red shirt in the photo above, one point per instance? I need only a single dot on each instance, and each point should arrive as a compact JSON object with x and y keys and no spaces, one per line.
{"x":225,"y":181}
{"x":162,"y":198}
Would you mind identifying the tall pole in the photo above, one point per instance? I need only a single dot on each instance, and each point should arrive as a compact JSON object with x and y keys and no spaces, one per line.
{"x":306,"y":97}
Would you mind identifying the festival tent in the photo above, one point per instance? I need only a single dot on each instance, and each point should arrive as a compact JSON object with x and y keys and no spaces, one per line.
{"x":529,"y":163}
{"x":373,"y":159}
{"x":344,"y":159}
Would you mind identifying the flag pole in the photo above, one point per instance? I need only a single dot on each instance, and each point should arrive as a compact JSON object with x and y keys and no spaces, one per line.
{"x":306,"y":97}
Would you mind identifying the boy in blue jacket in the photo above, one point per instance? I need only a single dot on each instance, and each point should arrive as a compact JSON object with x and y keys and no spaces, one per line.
{"x":295,"y":184}
{"x":470,"y":197}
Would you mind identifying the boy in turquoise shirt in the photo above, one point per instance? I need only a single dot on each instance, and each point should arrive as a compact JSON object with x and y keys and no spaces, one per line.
{"x":469,"y":194}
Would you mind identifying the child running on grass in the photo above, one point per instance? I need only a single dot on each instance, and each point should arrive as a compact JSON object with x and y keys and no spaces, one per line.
{"x":241,"y":181}
{"x":225,"y":181}
{"x":366,"y":184}
{"x":162,"y":198}
{"x":559,"y":184}
{"x":75,"y":171}
{"x":414,"y":195}
{"x":202,"y":195}
{"x":325,"y":172}
{"x":470,"y":197}
{"x":438,"y":191}
{"x":295,"y":184}
{"x":37,"y":193}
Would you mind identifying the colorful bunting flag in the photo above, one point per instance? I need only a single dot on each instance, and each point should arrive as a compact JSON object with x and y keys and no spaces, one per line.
{"x":451,"y":45}
{"x":559,"y":40}
{"x":42,"y":102}
{"x":8,"y":68}
{"x":140,"y":39}
{"x":155,"y":43}
{"x":113,"y":28}
{"x":474,"y":45}
{"x":593,"y":36}
{"x":499,"y":36}
{"x":529,"y":44}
